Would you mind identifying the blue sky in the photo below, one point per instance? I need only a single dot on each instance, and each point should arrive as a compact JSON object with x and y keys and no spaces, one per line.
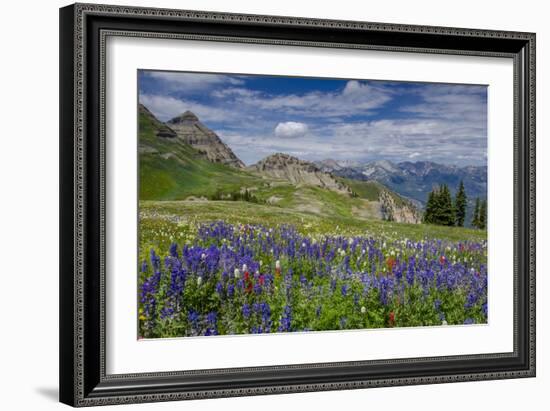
{"x":315,"y":119}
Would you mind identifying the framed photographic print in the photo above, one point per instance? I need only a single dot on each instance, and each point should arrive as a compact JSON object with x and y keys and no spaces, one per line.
{"x":262,"y":204}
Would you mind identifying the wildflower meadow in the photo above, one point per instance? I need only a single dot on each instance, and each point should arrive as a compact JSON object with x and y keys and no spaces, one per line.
{"x":225,"y":278}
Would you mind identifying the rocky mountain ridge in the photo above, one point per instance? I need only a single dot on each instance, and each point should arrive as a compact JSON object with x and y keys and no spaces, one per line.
{"x":286,"y":167}
{"x":190,"y":130}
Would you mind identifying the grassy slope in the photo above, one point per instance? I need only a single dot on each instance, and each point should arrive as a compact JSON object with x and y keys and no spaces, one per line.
{"x":185,"y":173}
{"x":185,"y":212}
{"x":370,"y":190}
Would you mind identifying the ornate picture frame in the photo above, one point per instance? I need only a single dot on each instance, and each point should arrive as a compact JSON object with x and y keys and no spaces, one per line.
{"x":84,"y":30}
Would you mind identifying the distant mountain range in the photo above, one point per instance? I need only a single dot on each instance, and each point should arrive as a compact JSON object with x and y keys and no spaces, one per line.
{"x":413,"y":180}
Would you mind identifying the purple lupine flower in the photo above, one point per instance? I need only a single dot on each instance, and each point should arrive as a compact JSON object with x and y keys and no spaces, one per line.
{"x":286,"y":320}
{"x":174,"y":250}
{"x":246,"y":311}
{"x":344,"y":290}
{"x":230,"y":290}
{"x":470,"y":300}
{"x":257,"y":289}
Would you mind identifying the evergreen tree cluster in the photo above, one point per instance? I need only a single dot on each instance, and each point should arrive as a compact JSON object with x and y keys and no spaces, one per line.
{"x":479,"y":219}
{"x":442,"y":210}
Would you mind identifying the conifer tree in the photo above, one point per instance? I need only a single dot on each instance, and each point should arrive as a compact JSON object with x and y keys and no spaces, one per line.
{"x":439,"y":208}
{"x":430,"y":207}
{"x":446,"y":211}
{"x":437,"y":217}
{"x":483,"y":215}
{"x":475,"y":217}
{"x":461,"y":201}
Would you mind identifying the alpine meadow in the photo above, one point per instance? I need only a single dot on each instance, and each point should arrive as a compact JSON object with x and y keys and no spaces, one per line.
{"x":272,"y":204}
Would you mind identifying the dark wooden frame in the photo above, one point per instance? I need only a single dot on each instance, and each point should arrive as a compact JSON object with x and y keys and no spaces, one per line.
{"x":83,"y":30}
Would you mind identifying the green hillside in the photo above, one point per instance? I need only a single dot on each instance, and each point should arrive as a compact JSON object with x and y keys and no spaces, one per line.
{"x":172,"y":170}
{"x":370,"y":190}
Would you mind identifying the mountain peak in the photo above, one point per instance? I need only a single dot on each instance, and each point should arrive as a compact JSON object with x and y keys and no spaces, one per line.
{"x":190,"y":130}
{"x":186,"y":117}
{"x":297,"y":171}
{"x":385,"y":164}
{"x":329,"y":162}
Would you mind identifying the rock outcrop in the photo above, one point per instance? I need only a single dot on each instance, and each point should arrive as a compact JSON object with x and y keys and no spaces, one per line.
{"x":286,"y":167}
{"x":400,"y":211}
{"x":190,"y":130}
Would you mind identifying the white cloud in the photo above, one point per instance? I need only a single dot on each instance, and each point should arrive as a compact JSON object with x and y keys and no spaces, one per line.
{"x":234,"y":92}
{"x":166,"y":108}
{"x":192,"y":82}
{"x":251,"y":148}
{"x":465,"y":104}
{"x":398,"y":139}
{"x":291,"y":129}
{"x":356,"y":98}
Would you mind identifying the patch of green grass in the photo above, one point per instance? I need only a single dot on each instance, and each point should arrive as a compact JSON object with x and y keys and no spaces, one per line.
{"x":370,"y":190}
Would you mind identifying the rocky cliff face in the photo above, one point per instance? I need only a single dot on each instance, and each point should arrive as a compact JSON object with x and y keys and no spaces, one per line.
{"x":400,"y":211}
{"x":286,"y":167}
{"x":190,"y":130}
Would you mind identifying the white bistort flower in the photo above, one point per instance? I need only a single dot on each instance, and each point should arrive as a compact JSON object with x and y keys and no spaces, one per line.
{"x":237,"y":273}
{"x":199,"y":281}
{"x":245,"y":268}
{"x":277,"y":264}
{"x":363,"y":310}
